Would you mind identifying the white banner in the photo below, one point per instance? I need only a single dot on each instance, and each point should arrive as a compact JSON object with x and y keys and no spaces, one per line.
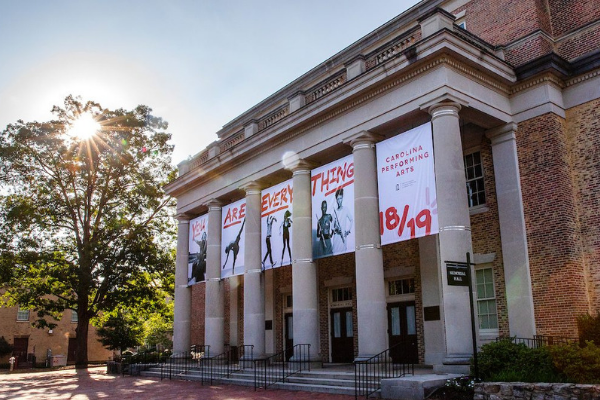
{"x":197,"y":249}
{"x":406,"y":179}
{"x":276,"y":225}
{"x":232,"y":238}
{"x":333,"y":208}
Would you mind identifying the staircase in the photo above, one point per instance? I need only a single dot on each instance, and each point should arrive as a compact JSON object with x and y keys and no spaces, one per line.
{"x":339,"y":380}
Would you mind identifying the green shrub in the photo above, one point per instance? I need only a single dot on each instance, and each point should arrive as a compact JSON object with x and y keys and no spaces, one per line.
{"x":5,"y":347}
{"x":580,"y":364}
{"x":506,"y":361}
{"x":589,"y":328}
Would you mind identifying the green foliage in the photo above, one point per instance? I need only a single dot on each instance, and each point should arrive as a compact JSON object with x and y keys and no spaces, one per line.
{"x":5,"y":347}
{"x":120,"y":330}
{"x":158,"y":329}
{"x":589,"y":328}
{"x":506,"y":361}
{"x":85,"y":224}
{"x":580,"y":364}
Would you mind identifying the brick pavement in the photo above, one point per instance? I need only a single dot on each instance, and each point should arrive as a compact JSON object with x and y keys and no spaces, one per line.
{"x":96,"y":384}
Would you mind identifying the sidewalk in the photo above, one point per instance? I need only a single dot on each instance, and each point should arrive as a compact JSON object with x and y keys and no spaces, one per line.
{"x":94,"y":383}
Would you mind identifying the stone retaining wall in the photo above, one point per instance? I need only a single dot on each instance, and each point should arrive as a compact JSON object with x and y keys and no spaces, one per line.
{"x":535,"y":391}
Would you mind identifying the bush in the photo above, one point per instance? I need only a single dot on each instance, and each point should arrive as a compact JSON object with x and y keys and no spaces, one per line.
{"x":578,"y":364}
{"x":589,"y":328}
{"x":506,"y":361}
{"x":5,"y":347}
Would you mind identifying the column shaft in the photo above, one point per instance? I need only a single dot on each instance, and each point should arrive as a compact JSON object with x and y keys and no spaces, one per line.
{"x":370,"y":284}
{"x":304,"y":269}
{"x":455,"y":228}
{"x":214,"y":332}
{"x":254,"y":297}
{"x":519,"y":297}
{"x":183,"y":294}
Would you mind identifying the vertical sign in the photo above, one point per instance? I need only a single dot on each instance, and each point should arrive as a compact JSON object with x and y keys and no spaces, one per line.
{"x":232,"y":239}
{"x":197,"y":249}
{"x":276,"y":220}
{"x":406,"y":179}
{"x":333,"y":208}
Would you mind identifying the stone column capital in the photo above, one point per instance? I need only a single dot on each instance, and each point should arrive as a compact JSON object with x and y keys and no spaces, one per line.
{"x":502,"y":133}
{"x":251,"y":188}
{"x":444,"y":109}
{"x":214,"y":205}
{"x":299,"y":166}
{"x":363,"y":139}
{"x":183,"y":218}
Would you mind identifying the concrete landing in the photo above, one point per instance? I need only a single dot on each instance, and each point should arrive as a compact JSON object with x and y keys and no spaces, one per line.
{"x":416,"y":387}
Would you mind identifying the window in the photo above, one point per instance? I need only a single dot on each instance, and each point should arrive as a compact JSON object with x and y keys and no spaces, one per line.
{"x":462,"y":24}
{"x":22,"y":314}
{"x":289,"y":301}
{"x":401,"y":286}
{"x":343,"y":294}
{"x":486,"y":299}
{"x":74,"y":316}
{"x":474,"y":175}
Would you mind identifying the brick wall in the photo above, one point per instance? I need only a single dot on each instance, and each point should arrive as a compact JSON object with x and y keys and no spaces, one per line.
{"x":583,"y":130}
{"x":485,"y":234}
{"x":197,"y":322}
{"x":579,"y":44}
{"x":555,"y":254}
{"x":501,"y":22}
{"x":329,"y":268}
{"x":406,"y":255}
{"x":568,"y":15}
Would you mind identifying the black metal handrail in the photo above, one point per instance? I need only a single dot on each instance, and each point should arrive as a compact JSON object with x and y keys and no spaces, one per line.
{"x":539,"y":340}
{"x":276,"y":368}
{"x":180,"y":363}
{"x":220,"y":366}
{"x":369,"y":373}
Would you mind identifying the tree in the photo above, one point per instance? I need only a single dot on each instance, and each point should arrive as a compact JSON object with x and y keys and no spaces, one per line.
{"x":84,"y":222}
{"x":120,"y":330}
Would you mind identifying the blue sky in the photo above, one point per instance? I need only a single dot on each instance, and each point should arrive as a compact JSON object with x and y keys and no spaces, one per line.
{"x":198,"y":64}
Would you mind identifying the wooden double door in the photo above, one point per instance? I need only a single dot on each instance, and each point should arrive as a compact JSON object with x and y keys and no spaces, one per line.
{"x":342,"y":335}
{"x":402,"y":332}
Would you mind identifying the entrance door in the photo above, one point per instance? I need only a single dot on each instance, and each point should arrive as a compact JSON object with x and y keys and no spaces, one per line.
{"x":72,"y":350}
{"x":402,"y":331}
{"x":289,"y":335}
{"x":342,"y":336}
{"x":20,"y":350}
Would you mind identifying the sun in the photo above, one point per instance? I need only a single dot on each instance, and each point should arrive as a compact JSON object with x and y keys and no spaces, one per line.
{"x":84,"y":127}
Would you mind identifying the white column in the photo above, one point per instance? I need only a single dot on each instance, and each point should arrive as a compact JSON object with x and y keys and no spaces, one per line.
{"x":455,"y":229}
{"x":214,"y":301}
{"x":254,"y":297}
{"x":370,"y":283}
{"x":183,"y":294}
{"x":519,"y":298}
{"x":304,"y":269}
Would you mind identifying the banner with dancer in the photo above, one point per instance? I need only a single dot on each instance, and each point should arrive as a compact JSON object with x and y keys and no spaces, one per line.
{"x":232,"y":238}
{"x":333,"y":208}
{"x":276,"y":225}
{"x":197,"y":249}
{"x":406,"y":180}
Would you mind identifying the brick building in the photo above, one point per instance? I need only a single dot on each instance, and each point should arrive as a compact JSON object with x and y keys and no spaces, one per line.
{"x":509,"y":92}
{"x":59,"y":342}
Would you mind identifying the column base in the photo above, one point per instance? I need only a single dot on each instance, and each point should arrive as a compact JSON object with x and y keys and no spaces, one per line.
{"x":455,"y":364}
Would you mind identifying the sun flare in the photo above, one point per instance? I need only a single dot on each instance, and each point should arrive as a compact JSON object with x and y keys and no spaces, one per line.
{"x":84,"y":127}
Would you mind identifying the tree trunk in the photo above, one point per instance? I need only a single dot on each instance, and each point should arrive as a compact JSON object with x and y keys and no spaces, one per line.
{"x":81,"y":357}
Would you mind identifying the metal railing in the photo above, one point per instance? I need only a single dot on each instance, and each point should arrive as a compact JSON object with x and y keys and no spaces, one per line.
{"x":221,"y":366}
{"x":276,"y":368}
{"x":539,"y":340}
{"x":181,"y":363}
{"x":369,"y":373}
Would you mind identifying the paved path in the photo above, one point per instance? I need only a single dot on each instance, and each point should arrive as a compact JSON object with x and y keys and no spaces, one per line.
{"x":94,"y":383}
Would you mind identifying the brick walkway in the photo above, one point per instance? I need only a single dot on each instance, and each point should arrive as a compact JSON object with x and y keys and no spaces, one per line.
{"x":96,"y":384}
